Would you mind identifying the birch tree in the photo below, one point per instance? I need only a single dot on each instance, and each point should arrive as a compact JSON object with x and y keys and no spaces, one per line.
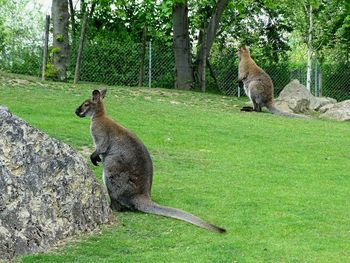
{"x":308,"y":11}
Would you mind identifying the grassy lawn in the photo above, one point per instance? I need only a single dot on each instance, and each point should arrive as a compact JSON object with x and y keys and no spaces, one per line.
{"x":280,"y":186}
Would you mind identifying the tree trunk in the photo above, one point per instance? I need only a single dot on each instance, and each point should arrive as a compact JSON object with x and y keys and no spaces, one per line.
{"x":309,"y":51}
{"x":181,"y":45}
{"x":208,"y":37}
{"x":46,"y":46}
{"x":59,"y":13}
{"x":81,"y":44}
{"x":203,"y":63}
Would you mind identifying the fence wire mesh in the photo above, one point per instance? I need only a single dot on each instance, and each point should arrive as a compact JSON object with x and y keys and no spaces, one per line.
{"x":130,"y":64}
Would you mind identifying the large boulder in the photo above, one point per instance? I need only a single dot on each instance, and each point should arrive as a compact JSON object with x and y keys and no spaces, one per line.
{"x":339,"y":111}
{"x":47,"y":191}
{"x":299,"y":99}
{"x":296,"y":96}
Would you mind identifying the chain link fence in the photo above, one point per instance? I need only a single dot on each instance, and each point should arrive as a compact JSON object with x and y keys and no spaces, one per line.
{"x":130,"y":64}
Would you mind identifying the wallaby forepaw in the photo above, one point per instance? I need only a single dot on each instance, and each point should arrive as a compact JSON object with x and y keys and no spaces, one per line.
{"x":95,"y":158}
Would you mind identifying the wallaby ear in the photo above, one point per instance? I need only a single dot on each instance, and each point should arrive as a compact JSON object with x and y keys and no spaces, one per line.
{"x":96,"y":95}
{"x":103,"y":93}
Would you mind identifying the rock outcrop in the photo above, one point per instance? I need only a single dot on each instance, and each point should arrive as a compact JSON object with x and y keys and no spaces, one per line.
{"x":47,"y":191}
{"x":296,"y":96}
{"x":339,"y":111}
{"x":316,"y":103}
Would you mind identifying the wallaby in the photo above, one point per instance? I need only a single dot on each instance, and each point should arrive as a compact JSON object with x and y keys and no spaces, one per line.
{"x":127,"y":165}
{"x":258,"y":85}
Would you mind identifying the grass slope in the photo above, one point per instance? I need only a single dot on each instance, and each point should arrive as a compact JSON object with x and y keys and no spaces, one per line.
{"x":280,"y":186}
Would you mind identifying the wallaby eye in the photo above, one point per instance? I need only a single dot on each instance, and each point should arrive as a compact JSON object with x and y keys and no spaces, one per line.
{"x":86,"y":104}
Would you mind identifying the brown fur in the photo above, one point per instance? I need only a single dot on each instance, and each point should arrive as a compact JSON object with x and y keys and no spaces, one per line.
{"x":258,"y":85}
{"x":127,"y":165}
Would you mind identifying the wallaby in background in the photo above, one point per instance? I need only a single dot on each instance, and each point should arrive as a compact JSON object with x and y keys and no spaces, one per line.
{"x":258,"y":85}
{"x":127,"y":165}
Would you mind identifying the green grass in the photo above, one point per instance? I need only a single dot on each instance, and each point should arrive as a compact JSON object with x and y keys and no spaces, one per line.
{"x":280,"y":186}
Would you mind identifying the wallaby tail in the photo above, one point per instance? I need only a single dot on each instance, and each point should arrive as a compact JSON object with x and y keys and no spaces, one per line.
{"x":276,"y":111}
{"x":148,"y":206}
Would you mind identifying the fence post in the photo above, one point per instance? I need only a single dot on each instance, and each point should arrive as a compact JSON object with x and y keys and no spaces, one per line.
{"x":316,"y":78}
{"x":238,"y":87}
{"x":320,"y":82}
{"x":46,"y":45}
{"x":142,"y":56}
{"x":150,"y":64}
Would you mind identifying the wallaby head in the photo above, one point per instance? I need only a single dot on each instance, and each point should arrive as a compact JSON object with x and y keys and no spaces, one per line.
{"x":93,"y":105}
{"x":243,"y":51}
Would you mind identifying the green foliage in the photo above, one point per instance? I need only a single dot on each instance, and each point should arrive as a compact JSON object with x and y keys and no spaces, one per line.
{"x":335,"y":81}
{"x":125,"y":20}
{"x":2,"y":29}
{"x":280,"y":186}
{"x":223,"y":61}
{"x":59,"y":38}
{"x":179,"y":2}
{"x":20,"y":36}
{"x":114,"y":62}
{"x":265,"y":25}
{"x":119,"y":63}
{"x":280,"y":75}
{"x":50,"y":71}
{"x":53,"y":50}
{"x":275,"y":30}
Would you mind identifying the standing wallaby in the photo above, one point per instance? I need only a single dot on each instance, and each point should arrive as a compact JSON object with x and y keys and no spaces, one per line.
{"x":127,"y":165}
{"x":258,"y":85}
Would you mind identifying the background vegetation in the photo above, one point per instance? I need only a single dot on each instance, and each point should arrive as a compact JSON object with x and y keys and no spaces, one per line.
{"x":280,"y":186}
{"x":118,"y":31}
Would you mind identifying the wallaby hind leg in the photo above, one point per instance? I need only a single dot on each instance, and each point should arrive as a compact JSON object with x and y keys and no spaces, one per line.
{"x":256,"y":96}
{"x":257,"y":106}
{"x":116,"y":206}
{"x":119,"y":189}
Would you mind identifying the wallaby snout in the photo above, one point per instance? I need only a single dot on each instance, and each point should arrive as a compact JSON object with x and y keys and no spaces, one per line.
{"x":78,"y":112}
{"x":87,"y":108}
